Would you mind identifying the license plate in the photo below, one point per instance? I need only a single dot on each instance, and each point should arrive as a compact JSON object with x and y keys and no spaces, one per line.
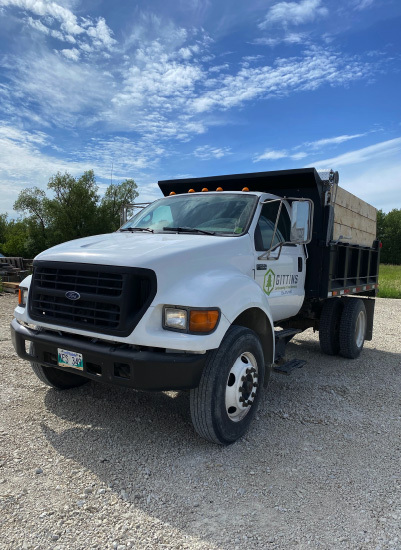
{"x":70,"y":359}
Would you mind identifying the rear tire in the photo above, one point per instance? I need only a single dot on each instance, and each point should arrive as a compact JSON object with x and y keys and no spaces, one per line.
{"x":55,"y":378}
{"x":352,"y":328}
{"x":329,"y":326}
{"x":226,"y":400}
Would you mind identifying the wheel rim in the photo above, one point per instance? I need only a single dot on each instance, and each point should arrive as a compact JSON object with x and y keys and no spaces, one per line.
{"x":241,"y":388}
{"x":360,"y":328}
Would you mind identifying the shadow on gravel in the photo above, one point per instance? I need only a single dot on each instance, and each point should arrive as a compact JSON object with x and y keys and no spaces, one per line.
{"x":142,"y":445}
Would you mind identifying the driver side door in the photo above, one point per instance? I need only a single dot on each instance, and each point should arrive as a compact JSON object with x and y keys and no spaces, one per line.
{"x":281,"y":275}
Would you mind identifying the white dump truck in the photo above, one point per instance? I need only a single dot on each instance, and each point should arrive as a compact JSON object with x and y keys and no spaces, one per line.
{"x":202,"y":289}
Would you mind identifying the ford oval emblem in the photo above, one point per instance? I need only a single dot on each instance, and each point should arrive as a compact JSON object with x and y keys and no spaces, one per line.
{"x":72,"y":295}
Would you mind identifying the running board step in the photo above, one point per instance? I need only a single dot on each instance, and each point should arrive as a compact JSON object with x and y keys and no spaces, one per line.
{"x":282,"y":337}
{"x":287,"y":368}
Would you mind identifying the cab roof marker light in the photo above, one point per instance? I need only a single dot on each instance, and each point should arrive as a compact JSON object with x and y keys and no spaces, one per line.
{"x":191,"y":191}
{"x":245,"y":189}
{"x":205,"y":190}
{"x":173,"y":193}
{"x":219,"y":189}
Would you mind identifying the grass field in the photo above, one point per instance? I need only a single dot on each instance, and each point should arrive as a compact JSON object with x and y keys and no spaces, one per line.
{"x":389,"y":281}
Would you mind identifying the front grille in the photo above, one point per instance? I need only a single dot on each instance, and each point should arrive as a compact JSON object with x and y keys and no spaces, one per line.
{"x":111,"y":299}
{"x":94,"y":282}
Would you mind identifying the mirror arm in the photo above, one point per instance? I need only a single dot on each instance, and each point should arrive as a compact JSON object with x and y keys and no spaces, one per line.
{"x":266,"y":255}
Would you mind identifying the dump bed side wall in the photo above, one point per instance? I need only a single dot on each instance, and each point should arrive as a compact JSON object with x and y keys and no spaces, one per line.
{"x":352,"y":269}
{"x":354,"y":219}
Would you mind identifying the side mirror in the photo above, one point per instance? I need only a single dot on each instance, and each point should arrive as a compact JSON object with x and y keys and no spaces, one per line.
{"x":301,"y":221}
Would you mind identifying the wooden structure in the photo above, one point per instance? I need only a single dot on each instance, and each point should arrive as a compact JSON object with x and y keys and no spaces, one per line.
{"x":354,"y":219}
{"x":13,"y":268}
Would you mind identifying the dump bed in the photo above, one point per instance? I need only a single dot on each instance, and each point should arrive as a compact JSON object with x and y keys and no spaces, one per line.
{"x":343,"y":255}
{"x":354,"y":219}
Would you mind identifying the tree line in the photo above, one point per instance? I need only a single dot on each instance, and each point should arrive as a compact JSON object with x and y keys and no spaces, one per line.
{"x":389,"y":233}
{"x":74,"y":210}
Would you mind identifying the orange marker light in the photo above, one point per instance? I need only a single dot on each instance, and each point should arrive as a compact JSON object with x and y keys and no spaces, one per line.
{"x":203,"y":320}
{"x":205,"y":189}
{"x":245,"y":189}
{"x":191,"y":191}
{"x":173,"y":193}
{"x":219,"y":189}
{"x":20,"y":297}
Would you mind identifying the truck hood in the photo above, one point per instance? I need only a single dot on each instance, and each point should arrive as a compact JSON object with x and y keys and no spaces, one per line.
{"x":146,"y":249}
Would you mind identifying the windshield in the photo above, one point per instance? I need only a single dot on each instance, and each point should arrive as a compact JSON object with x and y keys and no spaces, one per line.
{"x":223,"y":214}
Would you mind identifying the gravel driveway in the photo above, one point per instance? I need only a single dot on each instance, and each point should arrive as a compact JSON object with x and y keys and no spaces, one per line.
{"x":100,"y":467}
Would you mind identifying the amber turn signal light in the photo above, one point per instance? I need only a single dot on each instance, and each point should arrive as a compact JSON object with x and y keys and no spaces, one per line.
{"x":22,"y":294}
{"x":203,"y":320}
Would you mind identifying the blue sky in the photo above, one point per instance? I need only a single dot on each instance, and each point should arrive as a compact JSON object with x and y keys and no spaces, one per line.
{"x":165,"y":89}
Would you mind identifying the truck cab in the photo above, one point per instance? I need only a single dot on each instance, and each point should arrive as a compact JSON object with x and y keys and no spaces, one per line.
{"x":186,"y":295}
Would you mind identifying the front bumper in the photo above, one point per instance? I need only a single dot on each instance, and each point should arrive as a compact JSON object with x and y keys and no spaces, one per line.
{"x":117,"y":364}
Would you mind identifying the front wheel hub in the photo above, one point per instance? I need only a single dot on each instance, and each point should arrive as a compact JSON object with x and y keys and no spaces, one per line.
{"x":241,"y":389}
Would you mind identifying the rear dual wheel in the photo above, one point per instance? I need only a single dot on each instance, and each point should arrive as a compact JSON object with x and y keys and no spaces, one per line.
{"x":342,"y":329}
{"x":226,"y":400}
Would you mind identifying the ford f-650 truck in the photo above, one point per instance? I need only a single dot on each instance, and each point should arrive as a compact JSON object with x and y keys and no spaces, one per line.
{"x":202,"y":289}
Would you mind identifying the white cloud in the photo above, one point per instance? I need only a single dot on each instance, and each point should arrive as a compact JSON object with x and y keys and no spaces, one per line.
{"x":23,"y":164}
{"x":72,"y":54}
{"x":331,"y":141}
{"x":380,"y":150}
{"x":363,"y":4}
{"x":294,"y":13}
{"x":289,"y":38}
{"x":270,"y":154}
{"x":70,"y":26}
{"x":315,"y":68}
{"x":377,"y":183}
{"x":62,"y":90}
{"x":44,"y":8}
{"x":206,"y":152}
{"x":219,"y":68}
{"x":101,"y":34}
{"x":300,"y":155}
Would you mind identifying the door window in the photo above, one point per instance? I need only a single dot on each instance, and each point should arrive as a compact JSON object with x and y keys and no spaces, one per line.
{"x":265,"y":227}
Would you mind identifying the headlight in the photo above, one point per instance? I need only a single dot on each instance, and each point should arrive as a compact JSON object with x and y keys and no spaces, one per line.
{"x":22,"y":295}
{"x":175,"y":318}
{"x":194,"y":321}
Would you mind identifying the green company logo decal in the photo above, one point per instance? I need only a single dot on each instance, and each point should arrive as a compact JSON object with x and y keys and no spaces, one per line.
{"x":268,"y":284}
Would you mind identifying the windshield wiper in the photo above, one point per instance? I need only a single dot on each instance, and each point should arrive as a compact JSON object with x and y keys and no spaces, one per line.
{"x":137,"y":229}
{"x":189,"y":230}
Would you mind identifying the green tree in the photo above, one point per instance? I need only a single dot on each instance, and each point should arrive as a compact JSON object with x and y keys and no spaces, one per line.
{"x":389,"y":232}
{"x":34,"y":202}
{"x":116,"y":196}
{"x":16,"y":237}
{"x":72,"y":212}
{"x":75,"y":210}
{"x":3,"y":228}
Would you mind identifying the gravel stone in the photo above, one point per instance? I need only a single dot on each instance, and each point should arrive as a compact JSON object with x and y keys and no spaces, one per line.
{"x":124,"y":469}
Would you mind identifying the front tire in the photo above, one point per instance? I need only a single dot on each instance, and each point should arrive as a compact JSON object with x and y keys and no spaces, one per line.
{"x":56,"y":378}
{"x":352,"y":328}
{"x":226,"y":400}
